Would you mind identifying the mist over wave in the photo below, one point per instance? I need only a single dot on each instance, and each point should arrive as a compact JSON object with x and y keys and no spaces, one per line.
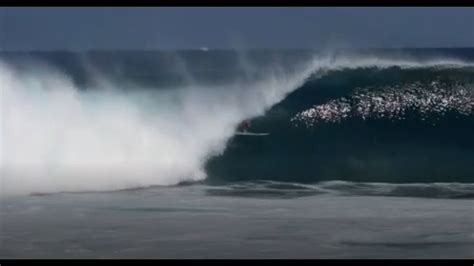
{"x":56,"y":137}
{"x":59,"y":136}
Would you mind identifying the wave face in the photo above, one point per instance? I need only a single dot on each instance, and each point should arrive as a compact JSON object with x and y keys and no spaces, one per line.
{"x":115,"y":120}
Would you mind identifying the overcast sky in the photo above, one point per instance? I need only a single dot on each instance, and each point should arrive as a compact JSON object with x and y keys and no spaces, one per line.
{"x":183,"y":28}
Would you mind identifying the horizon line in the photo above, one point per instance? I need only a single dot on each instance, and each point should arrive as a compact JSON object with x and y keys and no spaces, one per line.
{"x":226,"y":49}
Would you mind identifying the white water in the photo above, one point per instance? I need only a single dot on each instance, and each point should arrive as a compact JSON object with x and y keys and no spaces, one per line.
{"x":55,"y":137}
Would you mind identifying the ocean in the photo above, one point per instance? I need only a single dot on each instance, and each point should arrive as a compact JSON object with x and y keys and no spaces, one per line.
{"x":133,"y":154}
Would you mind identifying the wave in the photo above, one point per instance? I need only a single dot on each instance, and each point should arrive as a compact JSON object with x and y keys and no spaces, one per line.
{"x":116,"y":134}
{"x":390,"y":125}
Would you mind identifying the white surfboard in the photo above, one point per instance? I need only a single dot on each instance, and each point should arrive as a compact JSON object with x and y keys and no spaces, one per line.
{"x":251,"y":134}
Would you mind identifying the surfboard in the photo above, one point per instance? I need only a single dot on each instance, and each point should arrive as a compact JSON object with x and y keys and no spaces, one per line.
{"x":251,"y":134}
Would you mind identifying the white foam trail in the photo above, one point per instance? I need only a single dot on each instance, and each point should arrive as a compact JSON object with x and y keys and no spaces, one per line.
{"x":55,"y":137}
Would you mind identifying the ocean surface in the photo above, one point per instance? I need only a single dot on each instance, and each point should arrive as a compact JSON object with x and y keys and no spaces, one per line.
{"x":133,"y":154}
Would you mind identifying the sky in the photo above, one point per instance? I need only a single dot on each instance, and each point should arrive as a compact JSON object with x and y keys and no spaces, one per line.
{"x":81,"y":28}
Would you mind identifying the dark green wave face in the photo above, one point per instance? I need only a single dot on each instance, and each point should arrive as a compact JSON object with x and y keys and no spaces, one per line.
{"x":362,"y":125}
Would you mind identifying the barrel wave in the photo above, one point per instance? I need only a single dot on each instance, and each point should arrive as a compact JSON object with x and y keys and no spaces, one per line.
{"x":363,"y":125}
{"x":117,"y":120}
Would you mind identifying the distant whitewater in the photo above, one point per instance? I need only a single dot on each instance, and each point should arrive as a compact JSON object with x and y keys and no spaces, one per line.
{"x":117,"y":120}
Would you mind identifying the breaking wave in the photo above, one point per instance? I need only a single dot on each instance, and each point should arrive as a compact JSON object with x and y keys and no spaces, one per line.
{"x":115,"y":133}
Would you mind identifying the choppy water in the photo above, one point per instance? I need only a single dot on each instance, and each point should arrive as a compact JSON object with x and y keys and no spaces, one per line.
{"x":200,"y":221}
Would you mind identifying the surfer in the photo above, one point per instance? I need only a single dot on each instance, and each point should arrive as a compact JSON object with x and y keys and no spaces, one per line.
{"x":243,"y":130}
{"x":244,"y":126}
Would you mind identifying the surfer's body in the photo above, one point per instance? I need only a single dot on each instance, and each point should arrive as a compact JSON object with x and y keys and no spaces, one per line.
{"x":244,"y":126}
{"x":243,"y":129}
